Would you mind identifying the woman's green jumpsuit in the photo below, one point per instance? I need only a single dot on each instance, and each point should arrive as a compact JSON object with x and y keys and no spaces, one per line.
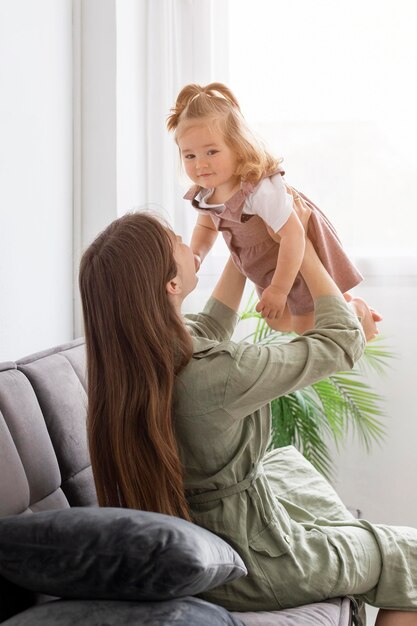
{"x":297,"y":539}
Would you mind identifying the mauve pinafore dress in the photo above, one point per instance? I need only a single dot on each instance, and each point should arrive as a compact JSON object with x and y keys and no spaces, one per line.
{"x":255,"y":252}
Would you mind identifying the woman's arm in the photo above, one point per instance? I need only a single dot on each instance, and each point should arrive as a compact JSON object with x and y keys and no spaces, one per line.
{"x":219,"y":317}
{"x":317,"y":278}
{"x":230,"y":286}
{"x":258,"y":373}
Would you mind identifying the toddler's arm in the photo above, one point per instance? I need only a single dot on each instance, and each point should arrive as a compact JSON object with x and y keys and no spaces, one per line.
{"x":291,"y":239}
{"x":203,"y":238}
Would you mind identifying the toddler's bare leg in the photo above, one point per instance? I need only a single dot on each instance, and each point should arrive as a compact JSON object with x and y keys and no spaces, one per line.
{"x":396,"y":618}
{"x":292,"y":323}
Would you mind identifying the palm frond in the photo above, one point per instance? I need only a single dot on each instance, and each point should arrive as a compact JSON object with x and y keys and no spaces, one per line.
{"x":359,"y":407}
{"x":297,"y":420}
{"x":377,"y":357}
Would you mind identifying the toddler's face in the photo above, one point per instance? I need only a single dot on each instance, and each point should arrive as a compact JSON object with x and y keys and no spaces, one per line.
{"x":207,"y":159}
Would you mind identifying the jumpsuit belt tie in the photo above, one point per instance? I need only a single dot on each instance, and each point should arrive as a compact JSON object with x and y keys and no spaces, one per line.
{"x":224,"y":492}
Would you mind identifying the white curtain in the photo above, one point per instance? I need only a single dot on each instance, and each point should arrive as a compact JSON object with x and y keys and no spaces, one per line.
{"x":130,"y":59}
{"x":161,"y":46}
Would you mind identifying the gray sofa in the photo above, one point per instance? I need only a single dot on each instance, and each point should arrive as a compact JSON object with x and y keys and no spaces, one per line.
{"x":50,"y":572}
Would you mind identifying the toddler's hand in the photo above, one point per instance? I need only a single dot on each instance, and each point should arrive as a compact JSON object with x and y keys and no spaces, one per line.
{"x":272,"y":303}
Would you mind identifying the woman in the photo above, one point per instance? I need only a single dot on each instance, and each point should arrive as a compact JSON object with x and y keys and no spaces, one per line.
{"x":179,"y":423}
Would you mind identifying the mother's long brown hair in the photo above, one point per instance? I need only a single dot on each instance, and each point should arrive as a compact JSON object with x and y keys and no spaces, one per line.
{"x":136,"y":344}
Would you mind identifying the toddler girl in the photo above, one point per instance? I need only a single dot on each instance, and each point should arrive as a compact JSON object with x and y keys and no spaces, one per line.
{"x":240,"y":190}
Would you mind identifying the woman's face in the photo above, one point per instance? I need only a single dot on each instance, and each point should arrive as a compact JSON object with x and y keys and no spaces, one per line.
{"x":186,"y":265}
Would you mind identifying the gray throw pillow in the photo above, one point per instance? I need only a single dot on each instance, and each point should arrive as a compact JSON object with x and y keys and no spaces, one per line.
{"x":113,"y":554}
{"x":179,"y":612}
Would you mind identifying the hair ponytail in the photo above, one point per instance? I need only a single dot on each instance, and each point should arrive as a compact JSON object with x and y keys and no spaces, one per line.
{"x":136,"y":345}
{"x":214,"y":97}
{"x":216,"y":89}
{"x":186,"y":95}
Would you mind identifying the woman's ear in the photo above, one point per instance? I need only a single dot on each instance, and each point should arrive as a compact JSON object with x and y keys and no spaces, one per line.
{"x":173,"y":286}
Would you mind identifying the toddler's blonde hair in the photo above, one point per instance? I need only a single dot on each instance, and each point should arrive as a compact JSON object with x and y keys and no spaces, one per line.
{"x":217,"y":105}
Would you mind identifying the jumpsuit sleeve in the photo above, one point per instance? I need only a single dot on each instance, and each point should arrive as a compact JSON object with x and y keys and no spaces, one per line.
{"x":261,"y":373}
{"x":217,"y":321}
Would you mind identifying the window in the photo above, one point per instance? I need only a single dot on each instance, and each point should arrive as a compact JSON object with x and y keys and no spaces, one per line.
{"x":330,"y":87}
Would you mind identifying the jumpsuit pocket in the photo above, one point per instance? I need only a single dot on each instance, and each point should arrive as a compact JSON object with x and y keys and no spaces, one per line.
{"x":267,"y":546}
{"x":270,"y":541}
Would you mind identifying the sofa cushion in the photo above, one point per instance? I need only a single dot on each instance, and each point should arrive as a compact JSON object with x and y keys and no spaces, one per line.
{"x":58,"y":379}
{"x":43,"y":407}
{"x":28,"y":464}
{"x":179,"y":612}
{"x":334,"y":612}
{"x":113,"y":553}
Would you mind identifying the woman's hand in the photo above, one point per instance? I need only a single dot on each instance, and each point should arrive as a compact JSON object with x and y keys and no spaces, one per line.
{"x":369,"y":317}
{"x":230,"y":286}
{"x":302,"y":210}
{"x":197,"y":261}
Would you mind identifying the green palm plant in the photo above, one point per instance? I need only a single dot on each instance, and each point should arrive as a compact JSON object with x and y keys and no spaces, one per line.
{"x":329,"y":409}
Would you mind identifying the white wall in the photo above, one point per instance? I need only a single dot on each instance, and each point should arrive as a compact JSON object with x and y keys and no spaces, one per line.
{"x":323,"y":90}
{"x":131,"y":104}
{"x":98,"y":116}
{"x":35,"y":175}
{"x":94,"y":127}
